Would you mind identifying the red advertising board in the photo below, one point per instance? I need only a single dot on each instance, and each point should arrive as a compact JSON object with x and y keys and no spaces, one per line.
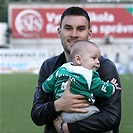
{"x":43,"y":22}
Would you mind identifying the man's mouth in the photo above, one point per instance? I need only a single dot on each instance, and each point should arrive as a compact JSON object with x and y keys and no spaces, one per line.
{"x":72,"y":41}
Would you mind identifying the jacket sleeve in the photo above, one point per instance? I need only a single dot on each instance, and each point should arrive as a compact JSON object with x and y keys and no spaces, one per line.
{"x":43,"y":110}
{"x":110,"y":109}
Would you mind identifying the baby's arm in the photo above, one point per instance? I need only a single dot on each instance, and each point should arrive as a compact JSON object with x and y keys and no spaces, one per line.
{"x":48,"y":84}
{"x":101,"y":88}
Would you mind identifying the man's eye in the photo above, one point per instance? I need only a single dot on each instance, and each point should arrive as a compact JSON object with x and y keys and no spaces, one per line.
{"x":68,"y":28}
{"x":81,"y":29}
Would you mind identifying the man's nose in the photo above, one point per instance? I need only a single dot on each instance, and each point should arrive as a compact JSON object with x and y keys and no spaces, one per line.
{"x":74,"y":33}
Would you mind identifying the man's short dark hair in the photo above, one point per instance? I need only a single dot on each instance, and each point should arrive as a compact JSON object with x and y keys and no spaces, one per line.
{"x":75,"y":11}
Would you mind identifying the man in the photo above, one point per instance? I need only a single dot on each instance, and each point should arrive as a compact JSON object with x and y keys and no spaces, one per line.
{"x":75,"y":26}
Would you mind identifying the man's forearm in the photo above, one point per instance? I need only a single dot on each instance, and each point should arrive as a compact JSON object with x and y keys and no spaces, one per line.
{"x":42,"y":111}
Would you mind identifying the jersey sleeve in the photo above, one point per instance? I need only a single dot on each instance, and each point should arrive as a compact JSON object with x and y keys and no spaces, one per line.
{"x":100,"y":88}
{"x":48,"y":84}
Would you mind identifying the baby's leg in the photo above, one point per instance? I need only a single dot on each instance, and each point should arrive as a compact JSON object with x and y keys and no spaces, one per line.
{"x":73,"y":117}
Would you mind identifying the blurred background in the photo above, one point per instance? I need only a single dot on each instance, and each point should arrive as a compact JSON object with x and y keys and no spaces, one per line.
{"x":28,"y":37}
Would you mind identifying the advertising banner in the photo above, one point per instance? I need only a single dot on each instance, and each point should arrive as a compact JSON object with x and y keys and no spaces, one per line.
{"x":21,"y":60}
{"x":43,"y":22}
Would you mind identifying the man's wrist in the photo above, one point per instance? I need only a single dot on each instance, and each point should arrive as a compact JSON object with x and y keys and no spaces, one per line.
{"x":64,"y":127}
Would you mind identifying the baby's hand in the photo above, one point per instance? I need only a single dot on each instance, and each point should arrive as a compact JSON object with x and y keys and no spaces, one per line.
{"x":118,"y":88}
{"x":114,"y":81}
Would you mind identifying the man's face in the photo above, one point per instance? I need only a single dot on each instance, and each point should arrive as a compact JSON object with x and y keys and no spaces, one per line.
{"x":73,"y":29}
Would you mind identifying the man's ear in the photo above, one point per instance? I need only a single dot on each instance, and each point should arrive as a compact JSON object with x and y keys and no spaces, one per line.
{"x":78,"y":59}
{"x":58,"y":32}
{"x":89,"y":34}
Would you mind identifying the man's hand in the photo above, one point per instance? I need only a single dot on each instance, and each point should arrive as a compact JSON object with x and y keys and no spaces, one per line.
{"x":70,"y":102}
{"x":57,"y":124}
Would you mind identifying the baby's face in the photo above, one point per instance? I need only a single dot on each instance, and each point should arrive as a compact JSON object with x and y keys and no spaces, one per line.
{"x":90,"y":60}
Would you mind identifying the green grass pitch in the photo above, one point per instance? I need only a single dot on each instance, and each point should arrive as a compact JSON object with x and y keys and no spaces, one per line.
{"x":16,"y":94}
